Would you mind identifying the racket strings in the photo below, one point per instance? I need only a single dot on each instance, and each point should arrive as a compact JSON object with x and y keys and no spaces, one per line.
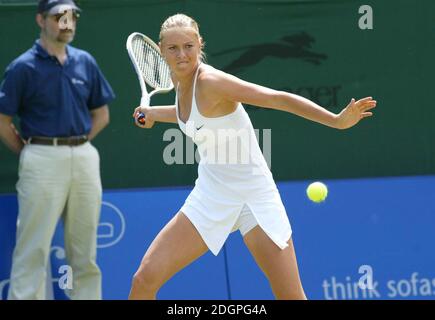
{"x":151,"y":64}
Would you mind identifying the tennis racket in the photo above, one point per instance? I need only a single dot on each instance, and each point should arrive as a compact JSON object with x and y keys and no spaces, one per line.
{"x":150,"y":67}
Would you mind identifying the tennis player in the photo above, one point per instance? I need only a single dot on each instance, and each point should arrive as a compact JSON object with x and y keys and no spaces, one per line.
{"x":227,"y":196}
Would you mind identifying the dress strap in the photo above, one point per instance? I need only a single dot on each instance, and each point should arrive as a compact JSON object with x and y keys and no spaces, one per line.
{"x":194,"y":107}
{"x":176,"y":98}
{"x":194,"y":81}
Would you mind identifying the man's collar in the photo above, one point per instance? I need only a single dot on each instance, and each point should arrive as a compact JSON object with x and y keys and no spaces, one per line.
{"x":40,"y":51}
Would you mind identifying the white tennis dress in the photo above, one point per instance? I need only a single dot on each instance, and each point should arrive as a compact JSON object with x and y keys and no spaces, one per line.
{"x":235,"y":188}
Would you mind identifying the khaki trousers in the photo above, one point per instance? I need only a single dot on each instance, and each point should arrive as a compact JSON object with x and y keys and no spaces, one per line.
{"x":55,"y":182}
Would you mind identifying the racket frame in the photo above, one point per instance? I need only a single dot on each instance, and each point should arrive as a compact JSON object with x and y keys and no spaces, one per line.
{"x":146,"y":96}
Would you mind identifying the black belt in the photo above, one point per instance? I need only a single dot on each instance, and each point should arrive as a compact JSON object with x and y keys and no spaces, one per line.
{"x":67,"y":141}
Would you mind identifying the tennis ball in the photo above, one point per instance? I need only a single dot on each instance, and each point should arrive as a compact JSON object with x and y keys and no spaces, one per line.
{"x":317,"y":192}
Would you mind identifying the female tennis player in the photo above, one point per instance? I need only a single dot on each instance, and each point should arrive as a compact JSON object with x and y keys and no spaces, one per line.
{"x":227,"y":196}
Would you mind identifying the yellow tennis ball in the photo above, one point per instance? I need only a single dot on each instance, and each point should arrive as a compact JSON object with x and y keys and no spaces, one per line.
{"x":317,"y":192}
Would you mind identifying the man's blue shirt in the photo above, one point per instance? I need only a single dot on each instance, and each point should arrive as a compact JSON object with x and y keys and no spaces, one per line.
{"x":53,"y":100}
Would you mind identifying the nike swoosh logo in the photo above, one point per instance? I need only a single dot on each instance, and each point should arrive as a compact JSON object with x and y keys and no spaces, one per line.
{"x":199,"y":127}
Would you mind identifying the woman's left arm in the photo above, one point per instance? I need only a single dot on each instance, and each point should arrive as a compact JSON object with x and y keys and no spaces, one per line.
{"x":231,"y":88}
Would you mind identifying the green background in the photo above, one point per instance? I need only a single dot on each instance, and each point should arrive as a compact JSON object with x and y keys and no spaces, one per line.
{"x":394,"y":63}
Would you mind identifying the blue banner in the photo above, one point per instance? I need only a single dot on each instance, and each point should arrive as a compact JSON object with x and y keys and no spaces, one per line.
{"x":376,"y":233}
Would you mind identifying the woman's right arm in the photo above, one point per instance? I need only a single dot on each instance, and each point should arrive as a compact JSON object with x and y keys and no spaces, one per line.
{"x":156,"y":114}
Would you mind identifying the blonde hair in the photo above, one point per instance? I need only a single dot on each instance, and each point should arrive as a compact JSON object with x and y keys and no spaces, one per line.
{"x":180,"y":20}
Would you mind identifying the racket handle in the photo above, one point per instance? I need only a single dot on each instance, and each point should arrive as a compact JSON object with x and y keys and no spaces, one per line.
{"x":140,"y":118}
{"x":144,"y":102}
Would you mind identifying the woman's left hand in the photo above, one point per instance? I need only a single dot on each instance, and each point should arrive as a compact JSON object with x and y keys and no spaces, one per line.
{"x":354,"y":112}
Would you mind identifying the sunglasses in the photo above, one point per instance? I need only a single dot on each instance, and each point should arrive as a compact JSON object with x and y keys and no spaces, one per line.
{"x":59,"y":16}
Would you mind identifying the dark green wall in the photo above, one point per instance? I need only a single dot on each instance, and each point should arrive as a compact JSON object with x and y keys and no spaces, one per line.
{"x":394,"y":62}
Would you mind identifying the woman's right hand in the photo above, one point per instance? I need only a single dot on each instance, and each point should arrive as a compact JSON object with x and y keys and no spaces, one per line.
{"x":149,"y":121}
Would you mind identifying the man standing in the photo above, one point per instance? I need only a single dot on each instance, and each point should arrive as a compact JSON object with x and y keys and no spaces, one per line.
{"x":60,"y":96}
